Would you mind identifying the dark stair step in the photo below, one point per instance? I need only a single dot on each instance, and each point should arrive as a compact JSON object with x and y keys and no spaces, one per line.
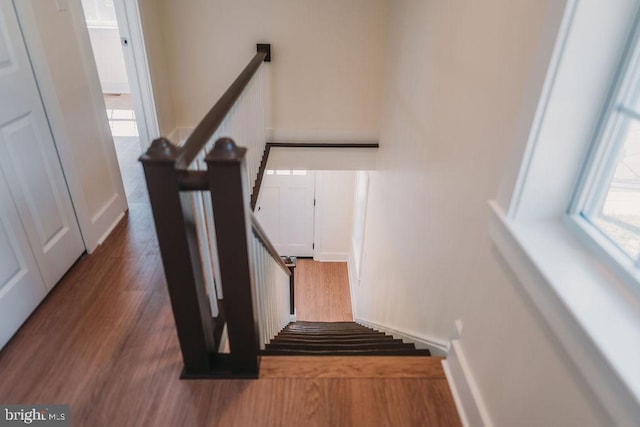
{"x":337,"y":339}
{"x":342,"y":346}
{"x":390,"y":352}
{"x":327,"y":331}
{"x":287,"y":339}
{"x":331,"y":336}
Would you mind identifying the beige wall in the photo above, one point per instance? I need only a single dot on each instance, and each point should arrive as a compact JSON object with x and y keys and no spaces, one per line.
{"x":456,"y":76}
{"x":328,"y":58}
{"x":152,"y":27}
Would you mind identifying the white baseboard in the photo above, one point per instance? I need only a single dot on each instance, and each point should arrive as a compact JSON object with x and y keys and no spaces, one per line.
{"x":173,"y":136}
{"x":104,"y":221}
{"x":354,"y":282}
{"x":437,"y":347}
{"x":115,"y":88}
{"x":464,"y":389}
{"x":331,"y":257}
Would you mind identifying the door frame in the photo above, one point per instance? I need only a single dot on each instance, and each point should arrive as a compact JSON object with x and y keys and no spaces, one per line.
{"x":138,"y":73}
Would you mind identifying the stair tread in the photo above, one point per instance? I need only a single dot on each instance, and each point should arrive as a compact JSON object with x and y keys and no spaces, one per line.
{"x":333,"y":339}
{"x":341,"y":346}
{"x":337,"y":338}
{"x":378,"y":352}
{"x":320,"y":335}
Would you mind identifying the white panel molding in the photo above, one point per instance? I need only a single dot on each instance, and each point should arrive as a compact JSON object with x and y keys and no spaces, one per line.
{"x":436,"y":346}
{"x":321,"y":135}
{"x":464,"y":389}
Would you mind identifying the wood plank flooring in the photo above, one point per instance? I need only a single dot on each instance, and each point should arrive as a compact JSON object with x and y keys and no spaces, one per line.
{"x":322,"y":291}
{"x":104,"y":342}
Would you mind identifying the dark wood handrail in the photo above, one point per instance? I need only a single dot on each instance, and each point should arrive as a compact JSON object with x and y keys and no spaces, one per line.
{"x":212,"y":120}
{"x":264,"y":239}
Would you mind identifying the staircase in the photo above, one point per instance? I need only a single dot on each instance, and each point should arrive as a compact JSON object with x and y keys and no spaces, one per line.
{"x":337,"y":339}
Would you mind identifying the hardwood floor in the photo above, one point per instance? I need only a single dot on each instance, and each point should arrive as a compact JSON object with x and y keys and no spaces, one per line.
{"x":104,"y":342}
{"x":322,"y":291}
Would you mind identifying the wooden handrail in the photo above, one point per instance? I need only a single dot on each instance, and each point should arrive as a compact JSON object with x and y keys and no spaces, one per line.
{"x":212,"y":120}
{"x":264,"y":239}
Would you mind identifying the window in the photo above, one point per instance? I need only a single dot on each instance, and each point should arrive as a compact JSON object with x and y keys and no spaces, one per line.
{"x":579,"y":282}
{"x":609,"y":195}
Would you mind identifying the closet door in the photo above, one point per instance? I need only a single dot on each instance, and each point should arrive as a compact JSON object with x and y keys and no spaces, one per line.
{"x":21,"y":287}
{"x":29,"y":160}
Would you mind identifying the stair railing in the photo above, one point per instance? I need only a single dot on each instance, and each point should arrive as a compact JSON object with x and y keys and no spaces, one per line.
{"x":213,"y":268}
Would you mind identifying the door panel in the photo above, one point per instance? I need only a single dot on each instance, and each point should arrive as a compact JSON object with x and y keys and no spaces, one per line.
{"x":285,"y":211}
{"x":21,"y":287}
{"x":25,"y":161}
{"x":29,"y":160}
{"x":268,"y":213}
{"x":298,"y":215}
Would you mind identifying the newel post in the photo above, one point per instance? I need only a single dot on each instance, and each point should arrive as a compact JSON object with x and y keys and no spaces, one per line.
{"x":229,"y":187}
{"x":180,"y":258}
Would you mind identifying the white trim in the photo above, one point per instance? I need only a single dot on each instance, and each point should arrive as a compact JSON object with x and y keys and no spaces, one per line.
{"x":115,"y":87}
{"x":179,"y":135}
{"x":354,"y":282}
{"x":543,"y":103}
{"x":466,"y":395}
{"x":563,"y":279}
{"x":330,"y":256}
{"x":130,"y":26}
{"x":173,"y":136}
{"x":317,"y":135}
{"x":110,"y":229}
{"x":436,"y":346}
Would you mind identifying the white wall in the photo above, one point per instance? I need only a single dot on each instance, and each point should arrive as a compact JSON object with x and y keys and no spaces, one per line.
{"x":322,"y":158}
{"x":59,"y":46}
{"x":457,"y":73}
{"x":334,"y":214}
{"x":109,"y":59}
{"x":327,"y":64}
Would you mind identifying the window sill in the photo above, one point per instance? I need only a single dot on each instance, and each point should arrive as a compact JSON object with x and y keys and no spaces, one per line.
{"x":588,"y":307}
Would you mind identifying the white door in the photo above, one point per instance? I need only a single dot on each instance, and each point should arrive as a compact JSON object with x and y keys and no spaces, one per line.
{"x":29,"y":161}
{"x":21,"y":287}
{"x":285,"y":210}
